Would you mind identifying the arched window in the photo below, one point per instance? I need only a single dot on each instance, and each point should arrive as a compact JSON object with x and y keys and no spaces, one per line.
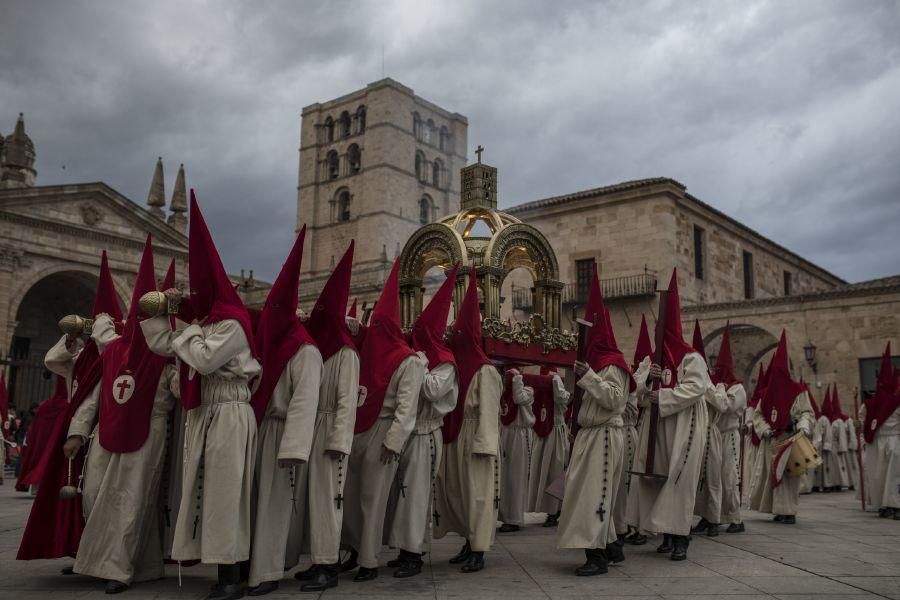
{"x":343,"y":205}
{"x":345,"y":124}
{"x":436,"y":168}
{"x":417,"y":126}
{"x":420,"y":166}
{"x":354,"y":159}
{"x":429,"y":131}
{"x":425,"y":207}
{"x":329,"y":129}
{"x":361,"y":119}
{"x":333,"y":164}
{"x":445,"y":139}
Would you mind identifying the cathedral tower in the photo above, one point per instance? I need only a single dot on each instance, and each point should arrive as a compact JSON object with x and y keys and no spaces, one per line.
{"x":17,"y":158}
{"x":375,"y":165}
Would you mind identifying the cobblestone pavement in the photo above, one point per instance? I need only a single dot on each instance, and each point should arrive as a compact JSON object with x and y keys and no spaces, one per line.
{"x":834,"y":550}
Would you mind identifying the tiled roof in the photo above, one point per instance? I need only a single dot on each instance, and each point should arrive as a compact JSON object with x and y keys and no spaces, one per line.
{"x":599,"y":191}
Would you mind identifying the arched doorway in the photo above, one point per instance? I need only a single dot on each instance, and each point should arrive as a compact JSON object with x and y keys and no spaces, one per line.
{"x":41,"y":307}
{"x":749,"y":345}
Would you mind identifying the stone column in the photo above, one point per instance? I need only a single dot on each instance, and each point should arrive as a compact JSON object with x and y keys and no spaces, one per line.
{"x":10,"y":261}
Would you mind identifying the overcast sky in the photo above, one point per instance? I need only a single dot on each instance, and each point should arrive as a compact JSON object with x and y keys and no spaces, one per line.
{"x":785,"y":115}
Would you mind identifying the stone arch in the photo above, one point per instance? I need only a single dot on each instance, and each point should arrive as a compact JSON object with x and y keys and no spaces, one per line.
{"x":433,"y":245}
{"x":749,"y":344}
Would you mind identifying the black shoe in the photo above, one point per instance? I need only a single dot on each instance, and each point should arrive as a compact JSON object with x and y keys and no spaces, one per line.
{"x":701,"y":526}
{"x":350,"y":563}
{"x":788,"y":520}
{"x":735,"y":528}
{"x":816,"y":489}
{"x":307,"y":575}
{"x":638,"y":539}
{"x":396,"y":562}
{"x":508,"y":528}
{"x":70,"y":570}
{"x":115,"y":587}
{"x":883,"y":513}
{"x":266,"y":587}
{"x":614,"y":553}
{"x":896,"y":514}
{"x":712,"y":530}
{"x":667,"y":546}
{"x":231,"y":591}
{"x":680,"y":543}
{"x":474,"y":563}
{"x":552,"y":520}
{"x":366,"y":574}
{"x":778,"y":518}
{"x":596,"y":564}
{"x":409,"y":568}
{"x":462,"y":556}
{"x":326,"y":576}
{"x":851,"y":488}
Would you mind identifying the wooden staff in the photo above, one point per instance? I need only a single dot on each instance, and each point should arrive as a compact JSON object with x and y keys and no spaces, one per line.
{"x":741,"y":462}
{"x":859,"y":460}
{"x":584,"y":329}
{"x":654,"y":406}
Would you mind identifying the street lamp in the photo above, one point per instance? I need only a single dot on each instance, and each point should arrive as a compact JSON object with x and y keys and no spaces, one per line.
{"x":809,"y":351}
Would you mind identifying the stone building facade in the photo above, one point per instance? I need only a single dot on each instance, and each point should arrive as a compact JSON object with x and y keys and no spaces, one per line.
{"x":374,"y":166}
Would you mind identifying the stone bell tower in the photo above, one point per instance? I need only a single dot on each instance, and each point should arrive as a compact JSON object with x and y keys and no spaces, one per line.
{"x":17,"y":158}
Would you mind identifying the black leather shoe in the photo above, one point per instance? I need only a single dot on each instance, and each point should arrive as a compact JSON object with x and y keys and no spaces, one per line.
{"x":350,"y":563}
{"x":396,"y":562}
{"x":778,"y":518}
{"x":552,"y":520}
{"x":596,"y":564}
{"x":326,"y":577}
{"x":701,"y":526}
{"x":735,"y":528}
{"x":409,"y":568}
{"x":115,"y":587}
{"x":712,"y":530}
{"x":816,"y":489}
{"x":307,"y":575}
{"x":884,"y":513}
{"x":666,"y":547}
{"x":365,"y":574}
{"x":70,"y":570}
{"x":232,"y":591}
{"x":788,"y":520}
{"x":462,"y":556}
{"x":680,"y":543}
{"x":614,"y":553}
{"x":266,"y":587}
{"x":508,"y":528}
{"x":474,"y":563}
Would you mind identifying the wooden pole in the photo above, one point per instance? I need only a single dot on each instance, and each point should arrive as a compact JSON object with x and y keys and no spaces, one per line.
{"x":859,"y":460}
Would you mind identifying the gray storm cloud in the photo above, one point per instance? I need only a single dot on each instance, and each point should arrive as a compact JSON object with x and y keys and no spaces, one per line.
{"x":781,"y":114}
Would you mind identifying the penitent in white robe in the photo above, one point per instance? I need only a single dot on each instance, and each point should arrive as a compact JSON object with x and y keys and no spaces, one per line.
{"x":751,"y":454}
{"x":821,"y":432}
{"x":549,"y":455}
{"x":122,"y":539}
{"x":784,"y":499}
{"x":729,"y":426}
{"x":882,"y":465}
{"x":369,"y":481}
{"x":708,"y":504}
{"x":851,"y":457}
{"x":468,"y":483}
{"x":280,"y":493}
{"x":333,"y":432}
{"x":515,"y":452}
{"x":835,"y":447}
{"x":595,"y":469}
{"x":214,"y":516}
{"x":656,"y":506}
{"x":408,"y":520}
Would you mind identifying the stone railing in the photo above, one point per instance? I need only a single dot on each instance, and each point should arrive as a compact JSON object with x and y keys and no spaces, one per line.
{"x":629,"y":286}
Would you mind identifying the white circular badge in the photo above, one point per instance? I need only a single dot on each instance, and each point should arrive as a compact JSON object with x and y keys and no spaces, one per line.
{"x":123,"y":388}
{"x":667,"y":377}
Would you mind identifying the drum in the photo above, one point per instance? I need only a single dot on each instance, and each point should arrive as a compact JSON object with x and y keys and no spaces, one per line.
{"x":802,"y":455}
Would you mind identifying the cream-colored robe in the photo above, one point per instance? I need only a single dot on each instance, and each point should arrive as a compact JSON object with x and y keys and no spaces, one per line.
{"x":515,"y":448}
{"x":408,"y":519}
{"x":821,"y":432}
{"x":882,"y":476}
{"x":60,"y":360}
{"x":595,"y":469}
{"x":468,"y":483}
{"x":630,"y":420}
{"x":122,"y":539}
{"x":835,"y":446}
{"x":214,"y":517}
{"x":751,"y":454}
{"x":729,"y":426}
{"x":369,"y":481}
{"x":280,"y":493}
{"x":708,"y":504}
{"x":549,"y":455}
{"x":784,"y":499}
{"x":333,"y":431}
{"x":851,"y":457}
{"x":656,"y":506}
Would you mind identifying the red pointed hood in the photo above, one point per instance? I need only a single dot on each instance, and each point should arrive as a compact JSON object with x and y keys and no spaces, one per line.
{"x":812,"y":401}
{"x":760,"y":387}
{"x":143,"y":283}
{"x":352,"y":310}
{"x":279,"y":332}
{"x":781,"y":390}
{"x":644,"y":346}
{"x":430,"y":328}
{"x":327,"y":323}
{"x":886,"y":398}
{"x":674,"y":346}
{"x":168,"y":281}
{"x":466,"y":344}
{"x":602,"y":350}
{"x":724,"y":372}
{"x":697,"y":342}
{"x":383,"y":349}
{"x":106,"y":300}
{"x":213,"y":297}
{"x":836,"y":403}
{"x":826,"y":403}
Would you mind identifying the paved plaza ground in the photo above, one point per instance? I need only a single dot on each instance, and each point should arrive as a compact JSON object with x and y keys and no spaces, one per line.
{"x":833,"y":551}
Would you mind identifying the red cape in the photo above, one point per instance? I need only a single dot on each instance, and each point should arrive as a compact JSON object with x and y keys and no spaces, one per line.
{"x":37,"y":441}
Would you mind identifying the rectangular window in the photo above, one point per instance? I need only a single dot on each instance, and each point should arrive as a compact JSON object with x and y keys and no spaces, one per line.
{"x":584,"y":272}
{"x":748,"y":275}
{"x":699,"y":251}
{"x":788,"y":283}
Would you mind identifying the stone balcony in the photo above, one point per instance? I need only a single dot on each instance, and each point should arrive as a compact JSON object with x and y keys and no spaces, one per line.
{"x":615,"y":288}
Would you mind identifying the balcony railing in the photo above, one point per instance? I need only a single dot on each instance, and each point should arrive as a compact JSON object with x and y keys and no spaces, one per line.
{"x":629,"y":286}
